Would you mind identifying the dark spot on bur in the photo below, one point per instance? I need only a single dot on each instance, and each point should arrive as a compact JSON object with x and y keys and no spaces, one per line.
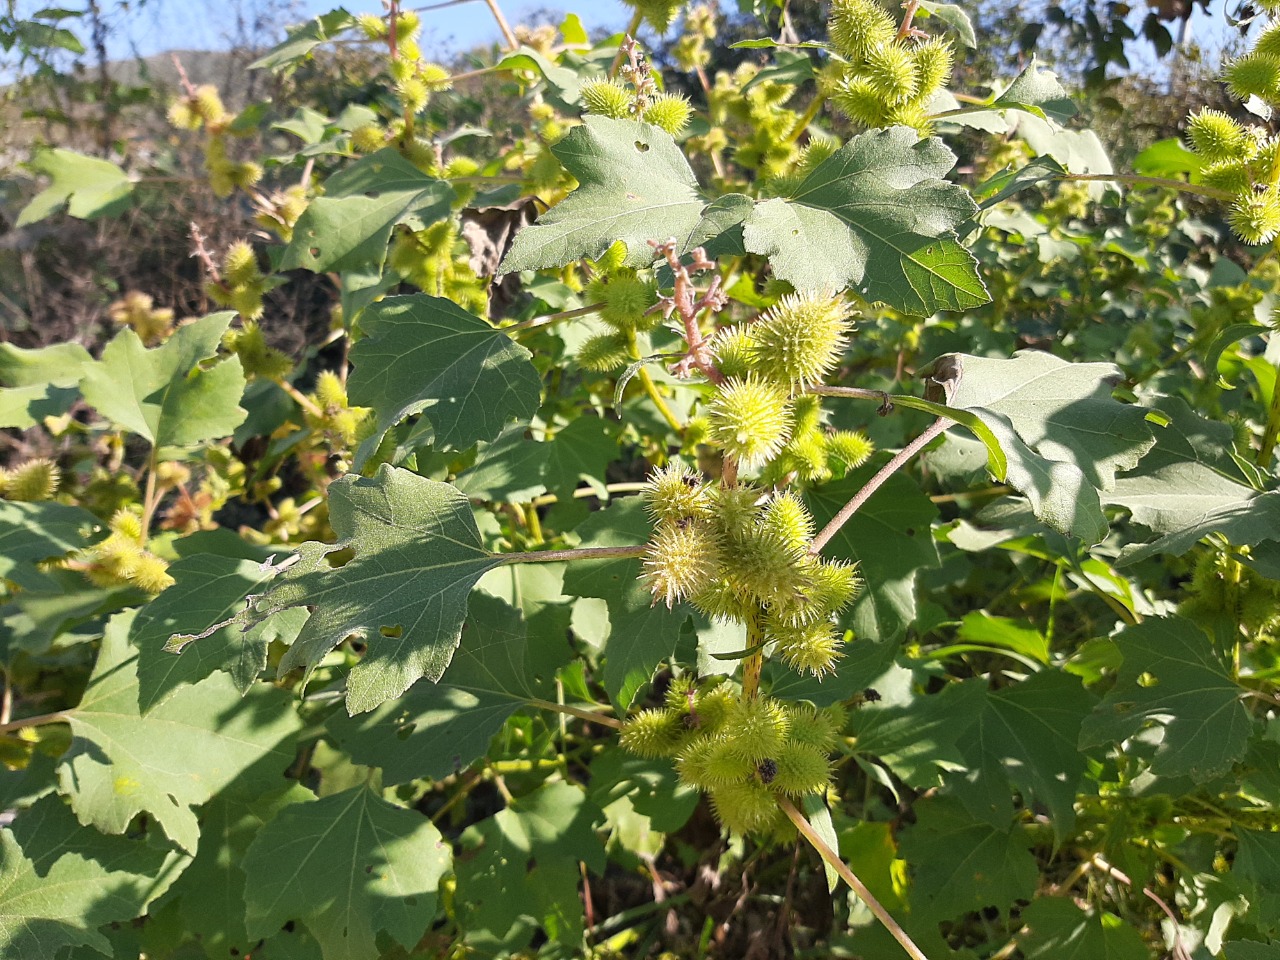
{"x":767,"y":770}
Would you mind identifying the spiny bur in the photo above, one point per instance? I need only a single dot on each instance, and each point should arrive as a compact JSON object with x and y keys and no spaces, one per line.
{"x":652,"y":733}
{"x":604,"y":352}
{"x":750,"y":419}
{"x":33,"y":480}
{"x":607,"y":97}
{"x":680,"y":560}
{"x":858,"y":27}
{"x":1255,"y":216}
{"x":675,"y":493}
{"x":801,"y":338}
{"x":669,"y":112}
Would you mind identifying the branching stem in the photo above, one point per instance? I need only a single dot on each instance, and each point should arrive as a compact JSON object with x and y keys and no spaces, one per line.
{"x":849,"y":877}
{"x":685,"y":302}
{"x":876,"y":482}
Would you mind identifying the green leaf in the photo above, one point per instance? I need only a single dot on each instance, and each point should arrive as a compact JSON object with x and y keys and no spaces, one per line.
{"x":982,"y":630}
{"x":167,"y":395}
{"x":349,"y":227}
{"x":31,"y":532}
{"x":1025,"y":737}
{"x":956,"y":18}
{"x":39,"y":383}
{"x":560,"y":79}
{"x":917,"y":737}
{"x":890,"y":539}
{"x":87,"y":186}
{"x":523,"y":868}
{"x":1190,"y":485}
{"x":642,"y":634}
{"x":996,"y":461}
{"x":634,"y":185}
{"x":1064,"y":435}
{"x":1057,"y":929}
{"x":1250,"y":950}
{"x":580,"y":453}
{"x":121,"y":764}
{"x":211,"y":891}
{"x":301,"y":40}
{"x":1037,"y":91}
{"x":60,"y":881}
{"x":424,"y":353}
{"x":417,"y":555}
{"x":877,"y":216}
{"x":1257,"y":865}
{"x":508,"y":470}
{"x":438,"y":729}
{"x":1172,"y":678}
{"x":348,"y":866}
{"x":960,"y":864}
{"x":208,"y":593}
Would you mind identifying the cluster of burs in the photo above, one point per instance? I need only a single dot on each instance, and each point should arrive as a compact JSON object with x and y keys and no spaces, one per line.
{"x":884,"y":76}
{"x":1245,"y":160}
{"x":744,"y":752}
{"x":739,"y":551}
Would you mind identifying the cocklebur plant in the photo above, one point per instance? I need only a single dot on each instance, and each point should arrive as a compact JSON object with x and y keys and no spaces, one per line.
{"x":591,"y":581}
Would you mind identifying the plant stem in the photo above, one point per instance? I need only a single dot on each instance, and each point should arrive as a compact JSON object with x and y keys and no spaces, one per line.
{"x":876,"y":482}
{"x":849,"y":877}
{"x":852,"y":393}
{"x":806,"y":118}
{"x":1138,"y":180}
{"x":581,"y":553}
{"x":576,"y":712}
{"x":149,"y":498}
{"x":38,"y":721}
{"x":636,"y":19}
{"x":1272,"y":431}
{"x":536,"y":322}
{"x":754,"y":664}
{"x":533,"y":522}
{"x":651,"y":388}
{"x":300,"y":398}
{"x":507,"y":35}
{"x":583,"y":493}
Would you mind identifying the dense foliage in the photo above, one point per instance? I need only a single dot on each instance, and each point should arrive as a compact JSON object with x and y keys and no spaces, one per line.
{"x":712,"y":525}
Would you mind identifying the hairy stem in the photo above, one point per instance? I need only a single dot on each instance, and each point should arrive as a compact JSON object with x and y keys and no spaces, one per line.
{"x":636,"y":19}
{"x":576,"y":712}
{"x":754,"y":664}
{"x":581,"y":553}
{"x":300,"y":398}
{"x":876,"y":482}
{"x":849,"y":877}
{"x":536,"y":323}
{"x":1137,"y":180}
{"x":507,"y":35}
{"x":37,"y":721}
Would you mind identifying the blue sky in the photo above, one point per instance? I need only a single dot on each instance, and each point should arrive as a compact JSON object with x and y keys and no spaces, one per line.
{"x":154,"y":26}
{"x":161,"y":25}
